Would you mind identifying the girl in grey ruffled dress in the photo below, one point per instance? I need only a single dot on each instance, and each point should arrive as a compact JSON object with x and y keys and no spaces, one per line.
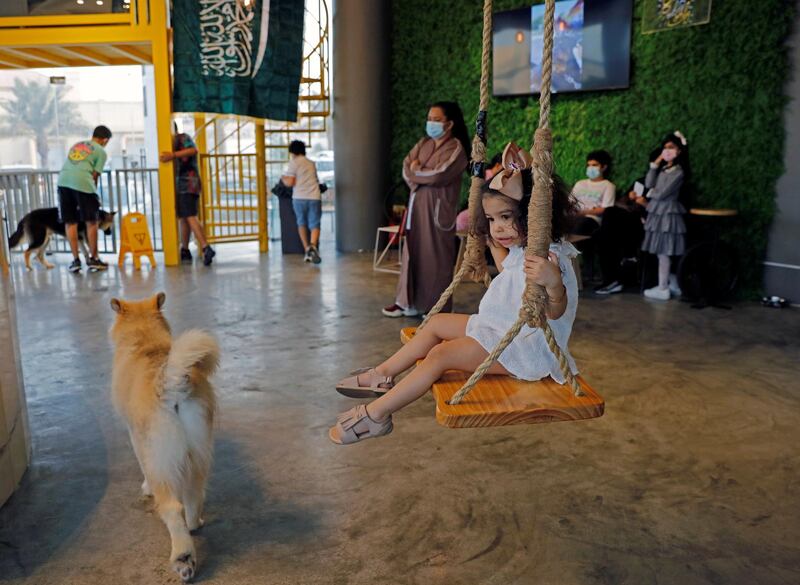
{"x":665,"y":230}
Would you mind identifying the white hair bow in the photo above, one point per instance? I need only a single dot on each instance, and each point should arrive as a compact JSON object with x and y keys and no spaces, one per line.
{"x":681,"y":136}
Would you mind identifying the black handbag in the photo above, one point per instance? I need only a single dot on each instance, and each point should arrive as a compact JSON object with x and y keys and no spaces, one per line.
{"x":282,"y":191}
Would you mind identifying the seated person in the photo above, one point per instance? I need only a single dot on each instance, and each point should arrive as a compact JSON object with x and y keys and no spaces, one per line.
{"x":595,"y":194}
{"x":619,"y":237}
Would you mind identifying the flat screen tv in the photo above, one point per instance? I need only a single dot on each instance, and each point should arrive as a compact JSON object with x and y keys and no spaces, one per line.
{"x":591,"y":47}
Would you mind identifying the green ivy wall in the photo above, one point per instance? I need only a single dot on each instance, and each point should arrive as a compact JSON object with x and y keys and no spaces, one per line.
{"x":721,"y":84}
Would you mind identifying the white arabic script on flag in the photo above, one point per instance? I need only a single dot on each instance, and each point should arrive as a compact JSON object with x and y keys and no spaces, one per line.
{"x":226,"y":44}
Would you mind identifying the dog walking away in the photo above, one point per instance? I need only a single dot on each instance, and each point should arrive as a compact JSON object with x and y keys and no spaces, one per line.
{"x":161,"y":387}
{"x":38,"y":226}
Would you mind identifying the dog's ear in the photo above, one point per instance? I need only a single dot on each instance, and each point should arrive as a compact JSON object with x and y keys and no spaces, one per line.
{"x":161,"y":298}
{"x":116,"y":305}
{"x":112,"y":213}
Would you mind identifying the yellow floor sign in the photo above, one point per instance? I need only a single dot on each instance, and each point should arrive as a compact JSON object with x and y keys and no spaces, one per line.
{"x":136,"y":240}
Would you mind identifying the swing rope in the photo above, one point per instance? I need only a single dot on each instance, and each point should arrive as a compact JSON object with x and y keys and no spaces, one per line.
{"x":540,"y":213}
{"x":473,"y":265}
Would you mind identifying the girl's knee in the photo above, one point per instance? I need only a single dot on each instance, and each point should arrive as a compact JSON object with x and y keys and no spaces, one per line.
{"x":439,"y":355}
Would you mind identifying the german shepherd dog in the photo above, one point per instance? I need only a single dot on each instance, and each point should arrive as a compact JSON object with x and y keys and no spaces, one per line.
{"x":40,"y":224}
{"x":161,"y":387}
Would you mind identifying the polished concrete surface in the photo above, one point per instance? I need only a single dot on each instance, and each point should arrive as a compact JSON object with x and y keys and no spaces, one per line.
{"x":692,"y":476}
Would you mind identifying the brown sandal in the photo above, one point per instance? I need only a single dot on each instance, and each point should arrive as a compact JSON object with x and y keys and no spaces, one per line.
{"x":356,"y":425}
{"x":378,"y":385}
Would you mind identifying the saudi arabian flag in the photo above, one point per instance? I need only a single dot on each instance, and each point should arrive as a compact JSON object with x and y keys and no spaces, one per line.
{"x":238,"y":57}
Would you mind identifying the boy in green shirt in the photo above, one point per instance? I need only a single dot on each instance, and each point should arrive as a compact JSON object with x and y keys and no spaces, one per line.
{"x":77,"y":194}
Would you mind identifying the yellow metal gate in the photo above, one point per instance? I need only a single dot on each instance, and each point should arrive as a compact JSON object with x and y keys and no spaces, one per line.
{"x":234,"y":207}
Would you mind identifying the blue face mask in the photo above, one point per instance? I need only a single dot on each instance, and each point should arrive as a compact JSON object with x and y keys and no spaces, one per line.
{"x":593,"y":172}
{"x":434,"y":129}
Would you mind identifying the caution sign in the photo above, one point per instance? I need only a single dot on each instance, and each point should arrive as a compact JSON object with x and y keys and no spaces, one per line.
{"x":135,"y":238}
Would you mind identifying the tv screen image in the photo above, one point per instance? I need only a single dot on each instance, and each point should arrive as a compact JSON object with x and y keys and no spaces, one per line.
{"x":591,"y":47}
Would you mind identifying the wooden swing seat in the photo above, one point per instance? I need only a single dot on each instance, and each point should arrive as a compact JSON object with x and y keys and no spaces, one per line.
{"x":502,"y":400}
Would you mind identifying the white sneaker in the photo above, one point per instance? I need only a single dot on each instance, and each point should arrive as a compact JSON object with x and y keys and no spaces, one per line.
{"x":662,"y":294}
{"x":674,"y":287}
{"x":411,"y":312}
{"x":394,"y":310}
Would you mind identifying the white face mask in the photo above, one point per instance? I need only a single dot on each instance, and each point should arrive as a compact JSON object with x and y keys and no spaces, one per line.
{"x":669,"y":154}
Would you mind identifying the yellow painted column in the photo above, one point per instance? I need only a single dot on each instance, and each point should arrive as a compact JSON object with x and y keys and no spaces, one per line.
{"x":202,"y":149}
{"x":166,"y":171}
{"x":200,"y":133}
{"x":261,"y":175}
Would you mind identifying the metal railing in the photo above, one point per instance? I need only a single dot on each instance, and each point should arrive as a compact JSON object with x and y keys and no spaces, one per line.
{"x":137,"y":190}
{"x":230,"y":209}
{"x":123,"y":190}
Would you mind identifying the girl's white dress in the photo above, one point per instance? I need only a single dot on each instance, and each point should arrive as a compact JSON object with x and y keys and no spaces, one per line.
{"x":527,"y":357}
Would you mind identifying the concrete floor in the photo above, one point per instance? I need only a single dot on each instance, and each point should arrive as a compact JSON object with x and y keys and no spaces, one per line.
{"x":692,"y":476}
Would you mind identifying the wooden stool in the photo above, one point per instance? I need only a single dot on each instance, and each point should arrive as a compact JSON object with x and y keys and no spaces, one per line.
{"x":576,"y":265}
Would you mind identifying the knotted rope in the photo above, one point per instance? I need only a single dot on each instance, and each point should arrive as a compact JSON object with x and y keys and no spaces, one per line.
{"x":540,"y":213}
{"x":473,"y":265}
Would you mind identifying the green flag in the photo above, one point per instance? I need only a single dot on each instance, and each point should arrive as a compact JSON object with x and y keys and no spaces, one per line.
{"x":238,"y":56}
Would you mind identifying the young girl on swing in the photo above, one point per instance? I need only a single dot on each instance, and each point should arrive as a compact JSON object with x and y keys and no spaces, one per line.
{"x":462,"y":342}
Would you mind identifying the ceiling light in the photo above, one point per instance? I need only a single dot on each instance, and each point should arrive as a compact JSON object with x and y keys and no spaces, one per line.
{"x":79,"y":2}
{"x":99,"y":2}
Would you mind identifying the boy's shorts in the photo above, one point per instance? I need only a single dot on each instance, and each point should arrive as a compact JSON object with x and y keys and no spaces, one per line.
{"x":75,"y":206}
{"x":308,"y":212}
{"x":186,"y":205}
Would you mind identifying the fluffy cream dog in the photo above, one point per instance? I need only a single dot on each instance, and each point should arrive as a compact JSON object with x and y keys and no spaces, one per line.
{"x":160,"y":386}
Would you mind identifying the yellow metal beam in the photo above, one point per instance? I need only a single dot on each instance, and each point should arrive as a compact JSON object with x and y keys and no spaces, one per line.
{"x":89,"y":55}
{"x":202,"y":148}
{"x":261,"y":181}
{"x":59,"y":20}
{"x":76,"y":35}
{"x":132,"y":53}
{"x":163,"y":90}
{"x":6,"y":59}
{"x":43,"y":56}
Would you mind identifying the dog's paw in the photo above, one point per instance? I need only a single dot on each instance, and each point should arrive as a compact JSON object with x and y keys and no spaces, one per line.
{"x":49,"y":266}
{"x":146,"y":491}
{"x":195,"y":524}
{"x":185,"y":565}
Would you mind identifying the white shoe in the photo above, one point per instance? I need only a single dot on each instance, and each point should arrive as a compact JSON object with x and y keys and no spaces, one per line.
{"x":662,"y":294}
{"x":674,"y":287}
{"x":396,"y":310}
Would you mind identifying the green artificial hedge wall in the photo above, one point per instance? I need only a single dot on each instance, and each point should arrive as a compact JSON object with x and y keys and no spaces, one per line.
{"x":721,"y":84}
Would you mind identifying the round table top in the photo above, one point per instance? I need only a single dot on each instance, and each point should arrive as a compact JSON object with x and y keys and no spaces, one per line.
{"x":714,"y":212}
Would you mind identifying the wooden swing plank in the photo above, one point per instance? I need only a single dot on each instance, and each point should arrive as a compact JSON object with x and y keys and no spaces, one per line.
{"x":502,"y":400}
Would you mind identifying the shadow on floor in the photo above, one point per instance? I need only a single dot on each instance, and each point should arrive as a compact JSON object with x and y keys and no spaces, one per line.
{"x":69,"y":472}
{"x":240,"y":515}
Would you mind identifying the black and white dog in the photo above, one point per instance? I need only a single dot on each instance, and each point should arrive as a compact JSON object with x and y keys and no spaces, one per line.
{"x":40,"y":224}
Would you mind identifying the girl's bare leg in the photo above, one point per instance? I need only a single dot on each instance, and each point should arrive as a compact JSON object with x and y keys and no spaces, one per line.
{"x":463,"y":353}
{"x":442,"y":327}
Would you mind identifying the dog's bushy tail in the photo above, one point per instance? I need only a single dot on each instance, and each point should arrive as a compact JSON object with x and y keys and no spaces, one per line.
{"x":16,"y":237}
{"x":182,"y":433}
{"x":193,"y":350}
